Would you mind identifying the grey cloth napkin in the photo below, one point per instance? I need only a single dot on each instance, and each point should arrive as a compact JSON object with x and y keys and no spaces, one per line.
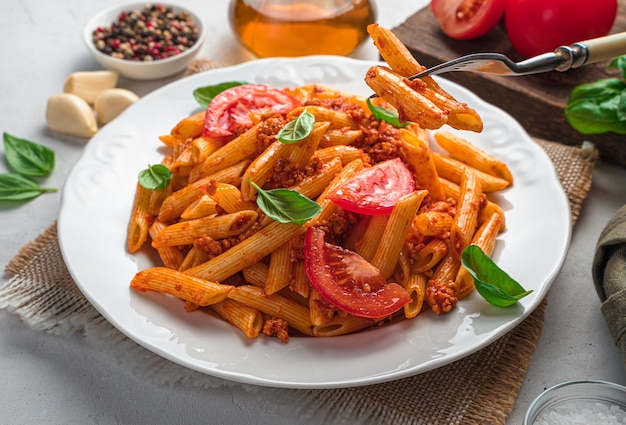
{"x":609,"y":276}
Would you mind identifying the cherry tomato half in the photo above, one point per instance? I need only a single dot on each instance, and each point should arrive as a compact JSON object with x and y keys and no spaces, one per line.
{"x":349,"y":282}
{"x":540,"y":26}
{"x":231,"y":110}
{"x":376,"y":189}
{"x":468,"y":19}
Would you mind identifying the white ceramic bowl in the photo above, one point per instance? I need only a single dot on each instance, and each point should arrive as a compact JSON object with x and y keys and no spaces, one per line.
{"x":140,"y":70}
{"x":573,"y":402}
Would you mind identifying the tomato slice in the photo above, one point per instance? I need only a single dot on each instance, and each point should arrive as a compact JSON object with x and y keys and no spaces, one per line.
{"x":231,"y":109}
{"x":348,"y":281}
{"x":468,"y":19}
{"x":376,"y":189}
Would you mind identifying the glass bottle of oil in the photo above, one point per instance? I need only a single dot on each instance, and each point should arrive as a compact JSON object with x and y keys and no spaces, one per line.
{"x":301,"y":27}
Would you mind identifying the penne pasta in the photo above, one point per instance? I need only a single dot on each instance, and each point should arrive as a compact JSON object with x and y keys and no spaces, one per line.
{"x":320,"y":310}
{"x":140,"y":219}
{"x":214,"y":227}
{"x":247,"y":252}
{"x":177,"y":202}
{"x":300,"y":284}
{"x":312,"y":186}
{"x":464,"y":151}
{"x":248,"y":319}
{"x":256,"y":274}
{"x":202,"y":147}
{"x":230,"y":199}
{"x":235,"y":151}
{"x":194,"y":257}
{"x":201,"y":207}
{"x":183,"y":162}
{"x":337,"y":119}
{"x":417,"y":153}
{"x":429,"y":256}
{"x":280,"y":270}
{"x":367,"y":246}
{"x":446,"y":269}
{"x":416,"y":287}
{"x":432,"y":223}
{"x":171,"y":256}
{"x":401,"y":61}
{"x":328,"y":207}
{"x":189,"y":288}
{"x":274,"y":305}
{"x":342,"y":325}
{"x":394,"y":235}
{"x":169,"y":140}
{"x":156,"y":200}
{"x":260,"y":170}
{"x":485,"y":238}
{"x":488,"y":210}
{"x":453,"y":170}
{"x":302,"y":152}
{"x":189,"y":127}
{"x":466,"y":218}
{"x":340,"y":137}
{"x":394,"y":52}
{"x":346,"y":153}
{"x":411,"y":105}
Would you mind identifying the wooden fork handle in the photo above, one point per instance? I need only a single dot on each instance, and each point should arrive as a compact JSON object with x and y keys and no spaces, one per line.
{"x":603,"y":48}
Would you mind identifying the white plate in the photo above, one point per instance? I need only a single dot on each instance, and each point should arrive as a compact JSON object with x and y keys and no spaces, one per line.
{"x":97,"y":200}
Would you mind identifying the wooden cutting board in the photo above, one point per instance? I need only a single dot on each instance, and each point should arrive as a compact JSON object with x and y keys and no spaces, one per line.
{"x":536,"y":101}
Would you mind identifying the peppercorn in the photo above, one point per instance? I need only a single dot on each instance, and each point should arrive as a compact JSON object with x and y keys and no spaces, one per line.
{"x":153,"y":33}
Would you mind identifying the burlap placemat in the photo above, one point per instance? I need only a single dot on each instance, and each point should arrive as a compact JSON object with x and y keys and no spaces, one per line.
{"x":479,"y":389}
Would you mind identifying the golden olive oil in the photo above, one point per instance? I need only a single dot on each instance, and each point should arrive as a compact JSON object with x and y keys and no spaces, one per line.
{"x":299,"y":28}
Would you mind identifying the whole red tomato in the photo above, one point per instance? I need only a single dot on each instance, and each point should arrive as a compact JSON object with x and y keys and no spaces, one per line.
{"x":540,"y":26}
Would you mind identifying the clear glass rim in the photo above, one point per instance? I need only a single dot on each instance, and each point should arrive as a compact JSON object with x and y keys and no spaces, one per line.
{"x":539,"y":403}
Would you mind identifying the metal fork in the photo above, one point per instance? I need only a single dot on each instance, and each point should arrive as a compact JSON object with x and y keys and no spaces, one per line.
{"x":562,"y":59}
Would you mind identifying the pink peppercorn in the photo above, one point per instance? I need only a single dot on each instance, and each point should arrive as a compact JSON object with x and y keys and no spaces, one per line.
{"x":154,"y":32}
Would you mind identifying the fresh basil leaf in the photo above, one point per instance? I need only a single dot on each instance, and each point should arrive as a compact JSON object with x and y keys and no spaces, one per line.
{"x":155,"y":177}
{"x":297,"y":129}
{"x":621,"y":107}
{"x":386,"y":115}
{"x":598,"y":107}
{"x":15,"y":187}
{"x":204,"y":95}
{"x":619,"y":62}
{"x":285,"y":205}
{"x":601,"y":89}
{"x":491,"y":282}
{"x":28,"y":158}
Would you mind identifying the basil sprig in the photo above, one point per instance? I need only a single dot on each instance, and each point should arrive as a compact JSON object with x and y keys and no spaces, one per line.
{"x":204,"y":95}
{"x":285,"y":205}
{"x":155,"y":177}
{"x":491,"y":282}
{"x":28,"y":158}
{"x":15,"y":187}
{"x":600,"y":106}
{"x":297,"y":129}
{"x":387,"y":115}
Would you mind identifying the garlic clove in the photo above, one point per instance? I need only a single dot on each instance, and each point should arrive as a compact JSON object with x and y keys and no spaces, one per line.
{"x":89,"y":84}
{"x":112,"y":102}
{"x":70,"y":114}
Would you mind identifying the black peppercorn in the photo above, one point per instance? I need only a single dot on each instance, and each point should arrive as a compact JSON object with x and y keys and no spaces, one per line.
{"x":153,"y":33}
